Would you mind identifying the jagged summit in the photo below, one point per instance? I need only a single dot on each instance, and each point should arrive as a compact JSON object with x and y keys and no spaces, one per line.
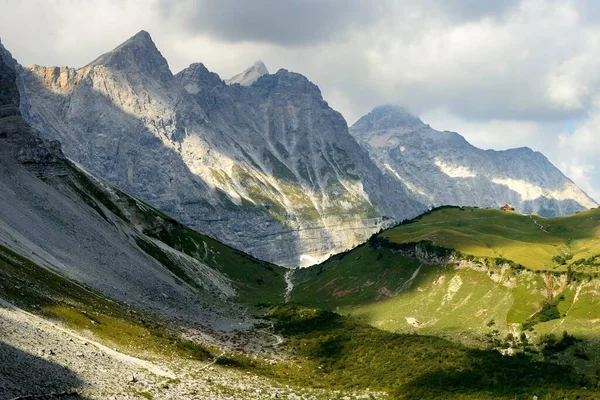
{"x":197,"y":78}
{"x":267,"y":167}
{"x":250,"y":75}
{"x":136,"y":54}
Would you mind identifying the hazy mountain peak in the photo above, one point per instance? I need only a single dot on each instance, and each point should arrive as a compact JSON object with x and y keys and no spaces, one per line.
{"x":389,"y":116}
{"x":260,"y":67}
{"x":250,"y":75}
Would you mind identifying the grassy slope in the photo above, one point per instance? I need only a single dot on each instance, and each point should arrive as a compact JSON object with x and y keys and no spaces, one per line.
{"x":338,"y":352}
{"x":327,"y":351}
{"x":45,"y":293}
{"x":375,"y":284}
{"x":497,"y":234}
{"x":480,"y":300}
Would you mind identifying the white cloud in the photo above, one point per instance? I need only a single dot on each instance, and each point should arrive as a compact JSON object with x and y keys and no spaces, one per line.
{"x":579,"y":152}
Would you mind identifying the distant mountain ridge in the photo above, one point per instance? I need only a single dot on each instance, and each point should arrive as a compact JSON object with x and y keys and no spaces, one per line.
{"x":442,"y":168}
{"x":249,"y":76}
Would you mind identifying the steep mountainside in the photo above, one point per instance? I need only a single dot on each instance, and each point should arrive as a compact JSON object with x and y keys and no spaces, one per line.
{"x":442,"y":168}
{"x":71,"y":223}
{"x":268,"y":168}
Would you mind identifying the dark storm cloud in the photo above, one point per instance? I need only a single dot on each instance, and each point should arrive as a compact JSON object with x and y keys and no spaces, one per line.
{"x":308,"y":22}
{"x":288,"y":22}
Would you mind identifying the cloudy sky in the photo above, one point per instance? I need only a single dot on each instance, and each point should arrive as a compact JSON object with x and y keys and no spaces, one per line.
{"x":504,"y":73}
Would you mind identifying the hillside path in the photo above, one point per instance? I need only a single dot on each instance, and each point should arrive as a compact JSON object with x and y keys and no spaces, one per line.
{"x":107,"y":350}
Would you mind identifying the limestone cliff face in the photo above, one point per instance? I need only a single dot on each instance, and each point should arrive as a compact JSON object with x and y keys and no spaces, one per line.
{"x":263,"y":163}
{"x":268,"y":167}
{"x":442,"y":168}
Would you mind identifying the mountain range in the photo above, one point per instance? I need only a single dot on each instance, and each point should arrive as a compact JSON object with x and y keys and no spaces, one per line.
{"x":104,"y":292}
{"x":262,"y":162}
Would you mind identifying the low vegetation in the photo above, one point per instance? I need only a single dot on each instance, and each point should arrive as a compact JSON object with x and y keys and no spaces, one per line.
{"x":474,"y":277}
{"x":46,"y":293}
{"x":341,"y":353}
{"x":255,"y":281}
{"x":439,"y":276}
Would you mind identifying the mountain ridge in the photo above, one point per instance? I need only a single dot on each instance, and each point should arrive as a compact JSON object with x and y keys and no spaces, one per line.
{"x":250,"y":75}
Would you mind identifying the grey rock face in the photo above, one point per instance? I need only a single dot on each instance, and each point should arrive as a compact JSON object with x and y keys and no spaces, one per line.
{"x":268,"y":168}
{"x":443,"y":168}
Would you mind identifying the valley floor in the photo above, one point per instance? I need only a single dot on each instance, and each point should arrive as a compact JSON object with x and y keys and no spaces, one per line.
{"x":41,"y":359}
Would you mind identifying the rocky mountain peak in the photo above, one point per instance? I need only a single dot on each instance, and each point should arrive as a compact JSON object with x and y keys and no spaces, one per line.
{"x":138,"y":54}
{"x":250,"y":75}
{"x":385,"y":117}
{"x":443,"y":168}
{"x":260,"y":67}
{"x":290,"y":83}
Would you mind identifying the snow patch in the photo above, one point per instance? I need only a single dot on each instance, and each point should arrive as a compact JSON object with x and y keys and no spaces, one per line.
{"x":454,"y":171}
{"x":529,"y":191}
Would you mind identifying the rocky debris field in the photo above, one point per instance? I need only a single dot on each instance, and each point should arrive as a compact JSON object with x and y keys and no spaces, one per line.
{"x":42,"y":360}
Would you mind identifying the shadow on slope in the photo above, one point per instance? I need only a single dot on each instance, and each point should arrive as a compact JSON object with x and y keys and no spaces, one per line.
{"x":23,"y":375}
